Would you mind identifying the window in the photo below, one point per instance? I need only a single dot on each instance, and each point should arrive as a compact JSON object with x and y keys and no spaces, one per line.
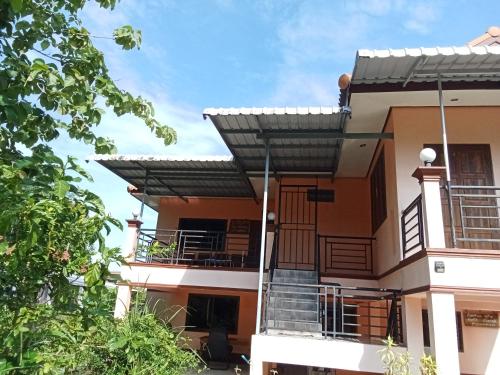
{"x":377,"y":187}
{"x":205,"y":311}
{"x":202,"y":234}
{"x":427,"y":337}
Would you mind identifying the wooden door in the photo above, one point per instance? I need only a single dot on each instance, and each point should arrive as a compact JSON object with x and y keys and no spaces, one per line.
{"x":470,"y":165}
{"x":297,"y":233}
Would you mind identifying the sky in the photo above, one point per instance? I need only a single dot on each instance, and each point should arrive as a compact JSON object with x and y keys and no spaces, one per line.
{"x":237,"y":53}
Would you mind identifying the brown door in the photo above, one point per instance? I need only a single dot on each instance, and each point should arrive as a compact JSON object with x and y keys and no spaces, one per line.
{"x":470,"y":165}
{"x":297,"y":231}
{"x":254,"y":237}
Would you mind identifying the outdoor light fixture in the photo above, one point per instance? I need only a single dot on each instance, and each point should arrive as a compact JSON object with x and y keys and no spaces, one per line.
{"x":270,"y":216}
{"x":427,"y":156}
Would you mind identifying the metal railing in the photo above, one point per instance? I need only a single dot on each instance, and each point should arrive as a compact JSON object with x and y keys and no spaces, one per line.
{"x":412,"y":227}
{"x":477,"y":215}
{"x":194,"y":247}
{"x":355,"y":313}
{"x":345,"y":254}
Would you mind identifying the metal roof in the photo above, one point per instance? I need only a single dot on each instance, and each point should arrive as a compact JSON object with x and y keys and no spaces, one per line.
{"x":470,"y":64}
{"x":302,"y":139}
{"x":184,"y":177}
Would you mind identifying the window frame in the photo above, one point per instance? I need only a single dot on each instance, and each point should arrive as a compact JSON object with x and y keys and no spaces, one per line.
{"x":378,"y":192}
{"x":192,"y":328}
{"x":427,"y":334}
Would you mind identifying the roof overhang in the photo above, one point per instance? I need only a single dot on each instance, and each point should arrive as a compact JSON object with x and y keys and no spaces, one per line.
{"x":423,"y":65}
{"x":304,"y":140}
{"x":180,"y":177}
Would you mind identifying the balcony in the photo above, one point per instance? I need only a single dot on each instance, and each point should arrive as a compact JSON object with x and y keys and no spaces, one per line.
{"x":195,"y":248}
{"x":475,"y":218}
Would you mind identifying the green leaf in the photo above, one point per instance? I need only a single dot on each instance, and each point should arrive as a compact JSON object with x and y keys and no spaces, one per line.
{"x":45,"y":44}
{"x":17,"y":5}
{"x":61,"y":188}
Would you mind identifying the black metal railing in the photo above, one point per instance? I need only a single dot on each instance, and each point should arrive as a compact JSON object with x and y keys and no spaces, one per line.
{"x":194,"y":247}
{"x":343,"y":254}
{"x":356,"y":313}
{"x":412,"y":227}
{"x":477,"y":216}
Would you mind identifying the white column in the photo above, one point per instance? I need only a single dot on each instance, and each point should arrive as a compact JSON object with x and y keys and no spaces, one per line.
{"x":123,"y":298}
{"x":413,"y":329}
{"x":262,"y":243}
{"x":429,"y":178}
{"x":256,"y":363}
{"x":131,"y":235}
{"x":443,"y":332}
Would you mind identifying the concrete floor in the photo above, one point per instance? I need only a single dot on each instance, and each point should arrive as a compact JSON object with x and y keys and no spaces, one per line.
{"x":230,"y":371}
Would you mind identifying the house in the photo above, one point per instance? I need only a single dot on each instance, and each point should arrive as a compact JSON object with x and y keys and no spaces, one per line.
{"x":325,"y":231}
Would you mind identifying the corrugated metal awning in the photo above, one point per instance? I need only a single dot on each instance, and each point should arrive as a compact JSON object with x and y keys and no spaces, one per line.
{"x":304,"y":139}
{"x":468,"y":64}
{"x":182,"y":177}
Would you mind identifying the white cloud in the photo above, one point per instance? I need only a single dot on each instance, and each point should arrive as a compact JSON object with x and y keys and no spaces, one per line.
{"x":422,"y":16}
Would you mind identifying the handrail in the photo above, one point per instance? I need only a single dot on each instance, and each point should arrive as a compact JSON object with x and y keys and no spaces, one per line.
{"x":193,"y":247}
{"x":478,"y":215}
{"x":353,"y":254}
{"x":344,"y":312}
{"x":412,"y":226}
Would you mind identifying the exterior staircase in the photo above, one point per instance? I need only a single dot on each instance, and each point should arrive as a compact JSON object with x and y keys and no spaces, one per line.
{"x":293,"y":310}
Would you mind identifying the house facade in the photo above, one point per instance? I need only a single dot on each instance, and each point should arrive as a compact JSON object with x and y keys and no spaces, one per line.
{"x":324,"y":232}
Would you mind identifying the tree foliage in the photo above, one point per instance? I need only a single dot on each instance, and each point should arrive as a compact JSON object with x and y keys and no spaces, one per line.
{"x":52,"y":78}
{"x":54,"y":82}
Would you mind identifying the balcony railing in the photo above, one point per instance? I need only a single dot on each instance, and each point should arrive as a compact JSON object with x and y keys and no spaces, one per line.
{"x":477,"y":216}
{"x":341,"y":254}
{"x":194,"y":247}
{"x":355,"y":313}
{"x":412,"y":227}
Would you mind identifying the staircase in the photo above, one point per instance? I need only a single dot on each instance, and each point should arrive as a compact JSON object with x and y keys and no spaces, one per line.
{"x":293,"y":310}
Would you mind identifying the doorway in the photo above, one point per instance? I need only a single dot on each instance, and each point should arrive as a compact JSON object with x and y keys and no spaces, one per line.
{"x":297,"y":227}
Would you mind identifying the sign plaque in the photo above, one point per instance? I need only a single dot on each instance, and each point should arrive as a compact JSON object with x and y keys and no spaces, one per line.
{"x":481,"y":318}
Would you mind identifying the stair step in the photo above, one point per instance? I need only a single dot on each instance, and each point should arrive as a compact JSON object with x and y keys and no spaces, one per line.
{"x":293,"y":304}
{"x":293,"y":315}
{"x":292,"y":295}
{"x":295,"y":280}
{"x":295,"y":274}
{"x":294,"y":326}
{"x":297,"y":289}
{"x":284,"y":332}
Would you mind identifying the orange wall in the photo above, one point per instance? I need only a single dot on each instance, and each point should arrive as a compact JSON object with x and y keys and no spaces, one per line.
{"x":348,"y":215}
{"x":171,"y":209}
{"x":175,"y":301}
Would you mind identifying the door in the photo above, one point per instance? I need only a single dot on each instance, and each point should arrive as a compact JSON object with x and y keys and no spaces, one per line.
{"x":297,"y":229}
{"x":254,"y":240}
{"x":470,"y":165}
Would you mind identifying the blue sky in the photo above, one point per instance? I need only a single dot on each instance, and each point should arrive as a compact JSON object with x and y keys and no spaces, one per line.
{"x":233,"y":53}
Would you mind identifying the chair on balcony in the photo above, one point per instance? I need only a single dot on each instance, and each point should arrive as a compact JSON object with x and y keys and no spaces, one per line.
{"x":218,"y":351}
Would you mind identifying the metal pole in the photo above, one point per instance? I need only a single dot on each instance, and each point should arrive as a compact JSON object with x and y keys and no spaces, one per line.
{"x":446,"y":163}
{"x":262,"y":242}
{"x":144,"y":193}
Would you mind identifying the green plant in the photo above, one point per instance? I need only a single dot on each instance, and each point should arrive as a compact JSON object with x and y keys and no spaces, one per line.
{"x":44,"y":340}
{"x":399,"y":363}
{"x":157,"y":249}
{"x":428,"y":365}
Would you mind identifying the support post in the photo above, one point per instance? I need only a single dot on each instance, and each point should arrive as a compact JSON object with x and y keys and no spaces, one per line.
{"x":262,"y":243}
{"x":144,"y":193}
{"x":443,"y":332}
{"x":429,"y":178}
{"x":413,"y":328}
{"x":129,"y":247}
{"x":123,"y":298}
{"x":446,"y":163}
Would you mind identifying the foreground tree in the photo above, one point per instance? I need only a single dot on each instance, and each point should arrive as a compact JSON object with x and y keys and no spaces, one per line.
{"x":51,"y":80}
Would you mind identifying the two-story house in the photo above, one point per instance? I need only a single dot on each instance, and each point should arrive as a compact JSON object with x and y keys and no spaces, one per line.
{"x":327,"y":229}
